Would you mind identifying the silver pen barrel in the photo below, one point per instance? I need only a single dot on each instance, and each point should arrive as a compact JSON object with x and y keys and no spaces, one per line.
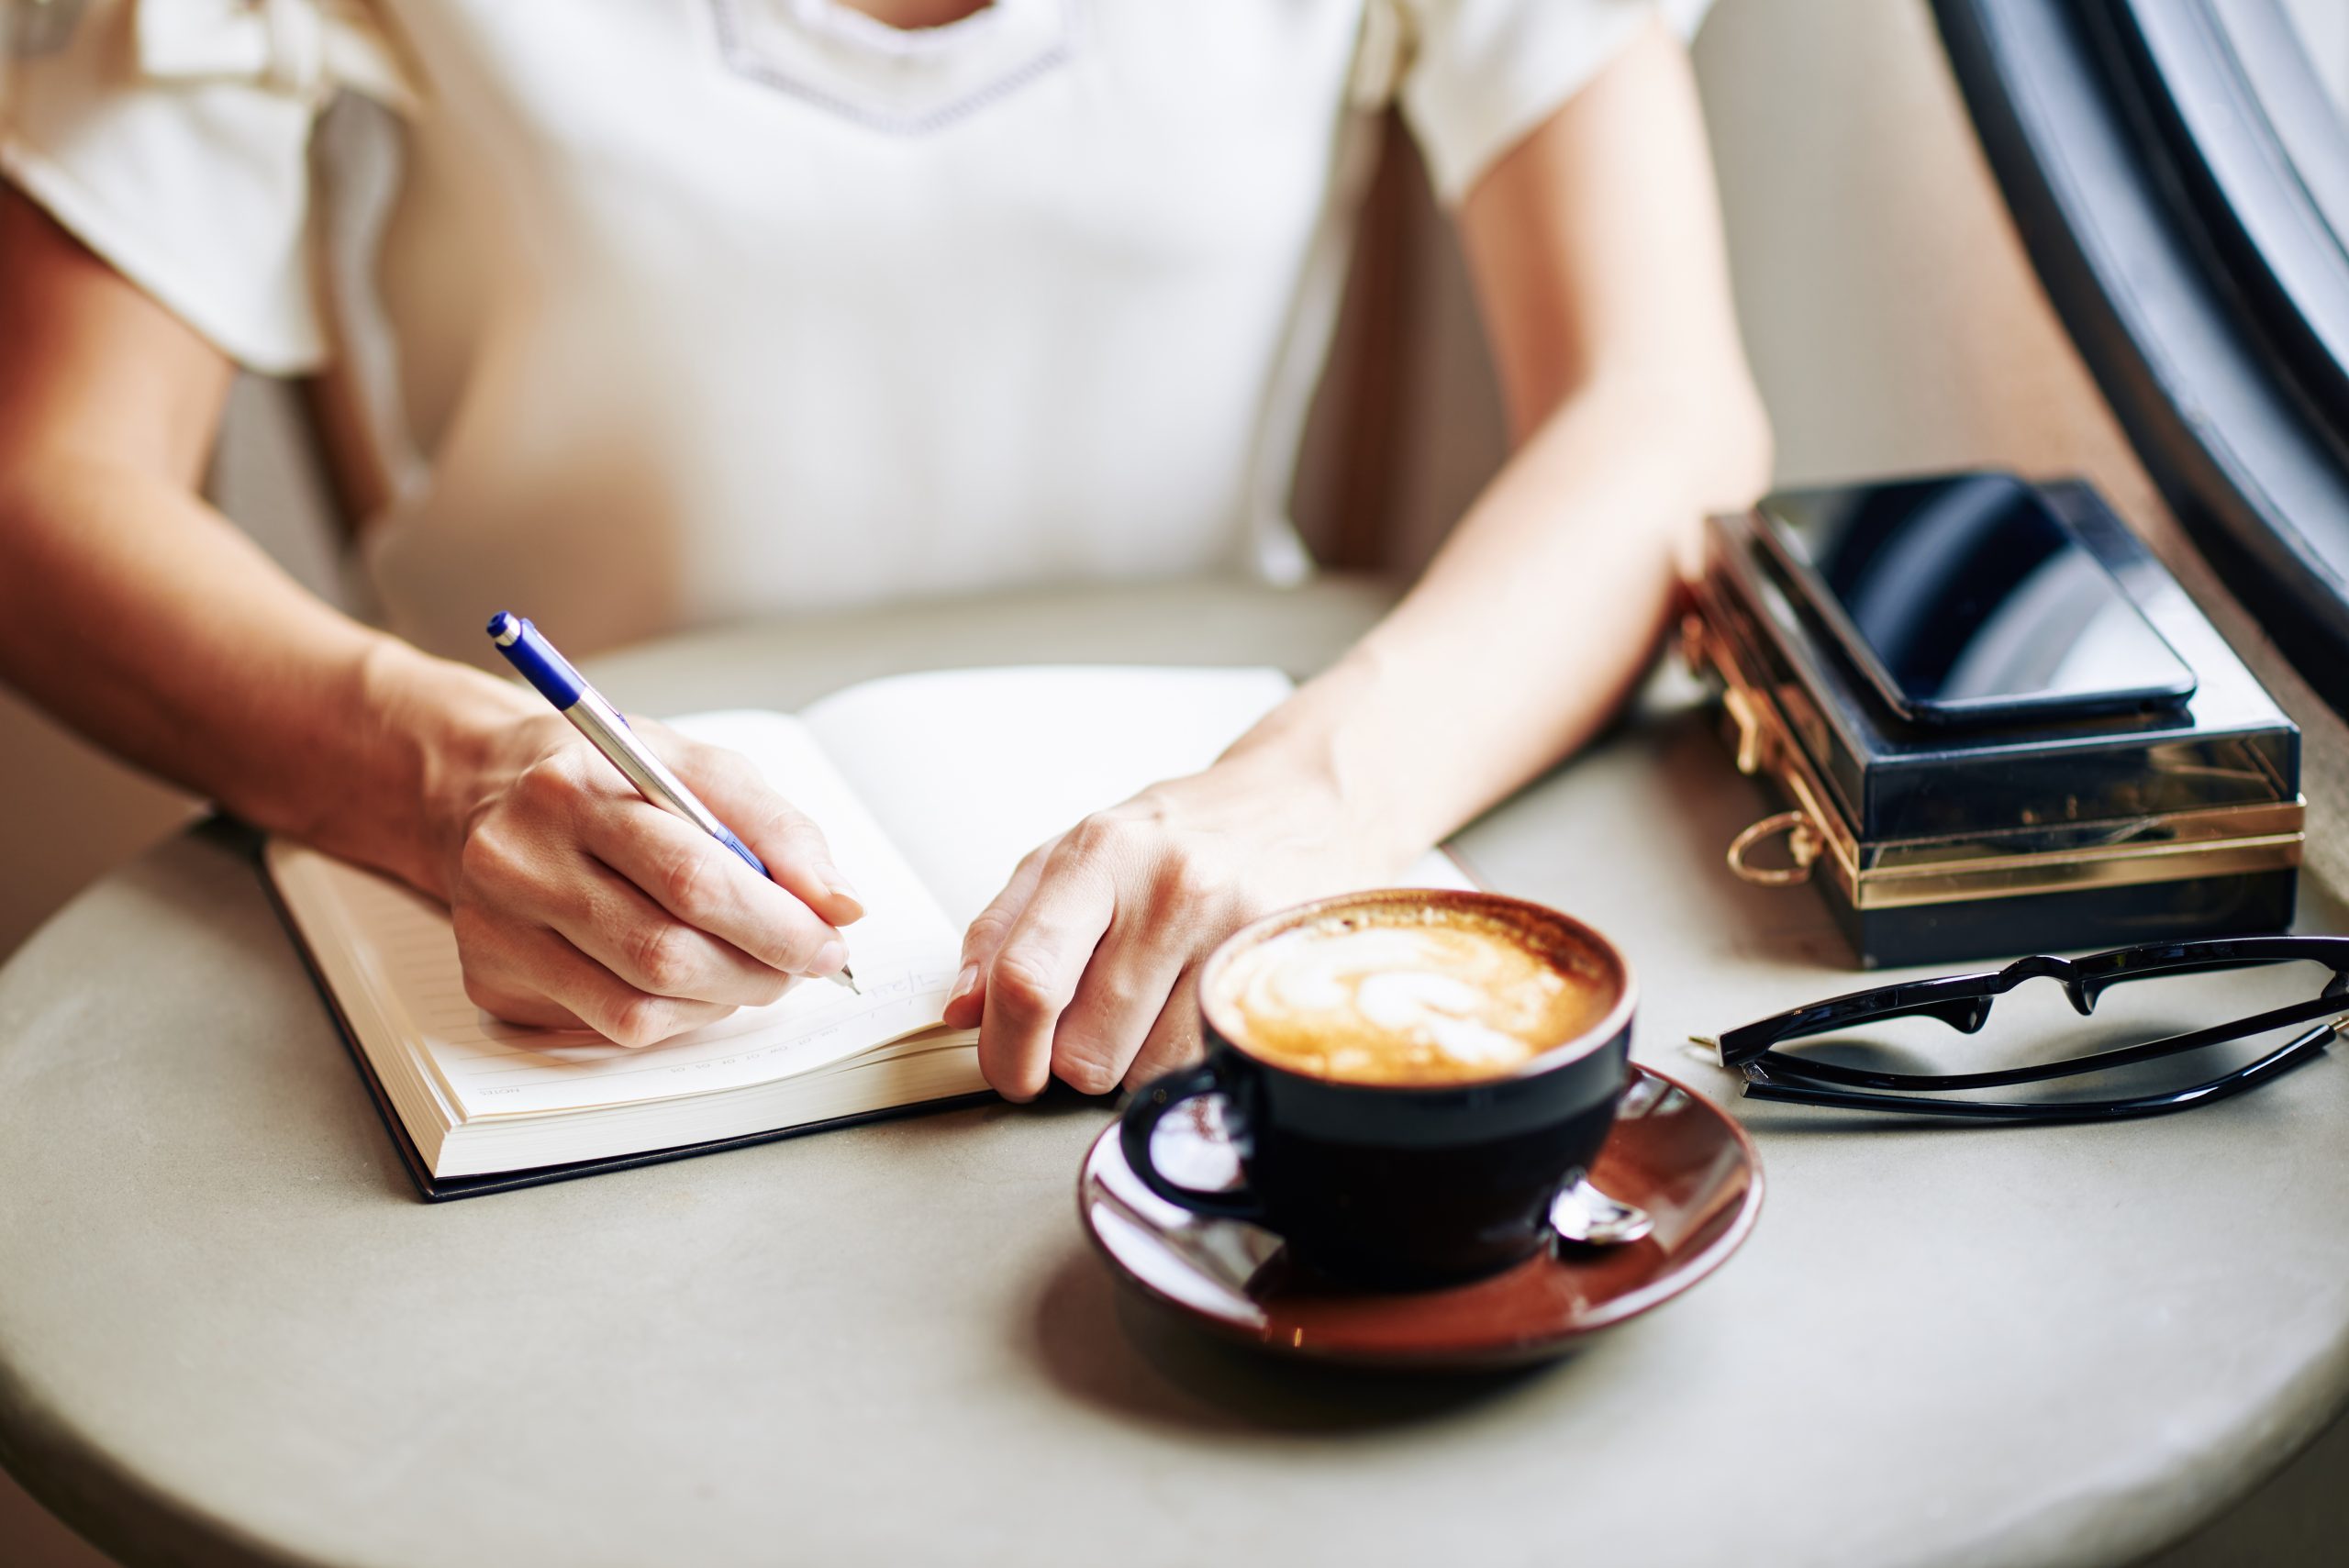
{"x":610,"y":734}
{"x":601,"y":724}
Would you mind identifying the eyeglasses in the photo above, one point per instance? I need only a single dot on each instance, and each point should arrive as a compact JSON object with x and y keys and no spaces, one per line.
{"x":2162,"y":993}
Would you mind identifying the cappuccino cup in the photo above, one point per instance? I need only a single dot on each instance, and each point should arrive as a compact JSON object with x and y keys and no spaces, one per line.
{"x":1410,"y":1078}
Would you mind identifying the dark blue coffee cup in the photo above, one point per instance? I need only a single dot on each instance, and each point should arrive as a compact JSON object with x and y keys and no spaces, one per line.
{"x":1403,"y":1184}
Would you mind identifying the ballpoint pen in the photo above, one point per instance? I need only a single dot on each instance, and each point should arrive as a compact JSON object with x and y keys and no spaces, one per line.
{"x":527,"y":649}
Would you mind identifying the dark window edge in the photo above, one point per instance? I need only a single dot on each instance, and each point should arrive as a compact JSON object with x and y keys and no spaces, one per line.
{"x":2200,"y":364}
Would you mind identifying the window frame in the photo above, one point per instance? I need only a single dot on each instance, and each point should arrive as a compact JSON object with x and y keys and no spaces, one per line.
{"x":2181,"y":182}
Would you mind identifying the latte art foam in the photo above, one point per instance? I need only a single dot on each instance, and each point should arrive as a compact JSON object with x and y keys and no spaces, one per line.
{"x":1406,"y":996}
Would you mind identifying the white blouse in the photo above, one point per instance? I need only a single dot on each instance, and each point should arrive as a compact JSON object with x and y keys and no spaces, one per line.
{"x":670,"y":312}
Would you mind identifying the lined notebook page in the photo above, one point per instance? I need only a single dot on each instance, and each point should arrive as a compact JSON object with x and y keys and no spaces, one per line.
{"x":904,"y":954}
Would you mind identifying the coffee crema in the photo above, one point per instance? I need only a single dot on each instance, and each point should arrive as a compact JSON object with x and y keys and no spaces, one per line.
{"x":1407,"y":995}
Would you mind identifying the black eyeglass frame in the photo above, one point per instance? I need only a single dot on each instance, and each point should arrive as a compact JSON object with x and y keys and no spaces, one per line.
{"x":1964,"y":1002}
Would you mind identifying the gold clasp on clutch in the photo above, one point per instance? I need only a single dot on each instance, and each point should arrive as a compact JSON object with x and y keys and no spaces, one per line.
{"x":1737,"y":703}
{"x":1804,"y":841}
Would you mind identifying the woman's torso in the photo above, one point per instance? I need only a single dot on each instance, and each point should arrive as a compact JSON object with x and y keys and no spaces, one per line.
{"x":718,"y":308}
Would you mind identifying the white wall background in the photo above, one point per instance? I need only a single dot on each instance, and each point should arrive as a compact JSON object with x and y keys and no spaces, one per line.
{"x":1893,"y":322}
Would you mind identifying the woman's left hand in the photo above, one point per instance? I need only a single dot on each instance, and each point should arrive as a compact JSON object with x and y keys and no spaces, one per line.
{"x":1084,"y":966}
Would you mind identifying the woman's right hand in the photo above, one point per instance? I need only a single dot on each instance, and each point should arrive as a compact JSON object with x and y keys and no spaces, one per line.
{"x":578,"y":901}
{"x":135,"y":612}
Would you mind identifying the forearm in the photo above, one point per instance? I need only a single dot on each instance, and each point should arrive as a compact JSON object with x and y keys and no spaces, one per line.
{"x":1531,"y":627}
{"x":147,"y":621}
{"x":1598,"y":260}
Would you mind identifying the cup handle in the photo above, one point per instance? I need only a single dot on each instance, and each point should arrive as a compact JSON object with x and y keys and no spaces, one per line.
{"x":1146,"y":1111}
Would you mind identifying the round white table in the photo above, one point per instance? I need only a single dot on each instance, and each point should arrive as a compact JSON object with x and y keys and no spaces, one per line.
{"x":229,"y":1332}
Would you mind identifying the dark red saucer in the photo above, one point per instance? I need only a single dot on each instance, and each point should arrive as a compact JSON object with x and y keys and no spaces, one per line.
{"x":1672,"y":1152}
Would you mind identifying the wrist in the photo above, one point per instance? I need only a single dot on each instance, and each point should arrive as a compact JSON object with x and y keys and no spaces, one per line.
{"x":443,"y":732}
{"x":1306,"y":765}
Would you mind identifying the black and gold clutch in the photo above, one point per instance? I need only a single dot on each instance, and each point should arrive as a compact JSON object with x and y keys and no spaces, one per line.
{"x":2048,"y":830}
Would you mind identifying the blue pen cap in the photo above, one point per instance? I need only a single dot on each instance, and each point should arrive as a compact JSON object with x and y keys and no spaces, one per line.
{"x":535,"y":657}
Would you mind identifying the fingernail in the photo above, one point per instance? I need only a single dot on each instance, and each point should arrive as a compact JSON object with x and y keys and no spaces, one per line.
{"x":841,"y":892}
{"x":963,"y":983}
{"x":831,"y":958}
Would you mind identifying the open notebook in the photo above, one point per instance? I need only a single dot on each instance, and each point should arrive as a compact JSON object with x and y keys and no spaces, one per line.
{"x":929,"y":788}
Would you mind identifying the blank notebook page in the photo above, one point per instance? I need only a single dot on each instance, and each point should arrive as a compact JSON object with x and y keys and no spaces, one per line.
{"x":968,"y":769}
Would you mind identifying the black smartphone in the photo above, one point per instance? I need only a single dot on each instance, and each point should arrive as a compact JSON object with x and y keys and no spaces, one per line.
{"x":1966,"y":599}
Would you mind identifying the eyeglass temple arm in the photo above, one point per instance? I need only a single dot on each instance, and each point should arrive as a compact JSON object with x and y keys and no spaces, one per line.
{"x":1761,"y":1085}
{"x":2087,"y":988}
{"x":1747,"y":1043}
{"x":1969,"y":1010}
{"x":1798,"y":1069}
